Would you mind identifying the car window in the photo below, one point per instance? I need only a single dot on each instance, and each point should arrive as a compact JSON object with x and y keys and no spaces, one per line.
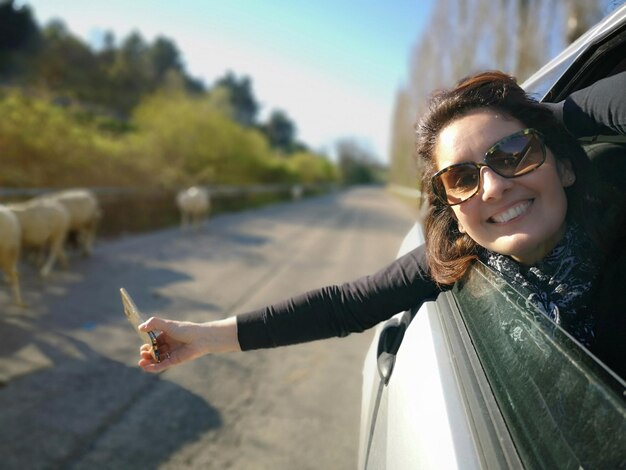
{"x":596,"y":54}
{"x":563,"y":408}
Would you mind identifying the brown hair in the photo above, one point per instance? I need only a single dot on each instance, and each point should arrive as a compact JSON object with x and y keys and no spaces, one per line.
{"x":450,"y":252}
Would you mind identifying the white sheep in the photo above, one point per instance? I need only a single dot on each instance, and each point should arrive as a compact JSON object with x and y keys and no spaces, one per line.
{"x":84,"y":211}
{"x":194,"y":204}
{"x":44,"y":224}
{"x":296,"y":192}
{"x":10,"y":242}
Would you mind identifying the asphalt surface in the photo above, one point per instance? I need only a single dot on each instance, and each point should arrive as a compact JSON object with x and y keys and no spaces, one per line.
{"x":71,"y":395}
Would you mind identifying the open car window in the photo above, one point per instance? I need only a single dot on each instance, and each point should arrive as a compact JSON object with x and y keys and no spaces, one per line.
{"x":562,"y":407}
{"x":596,"y":54}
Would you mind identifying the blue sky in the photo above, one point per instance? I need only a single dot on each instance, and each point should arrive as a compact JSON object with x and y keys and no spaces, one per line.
{"x":333,"y":65}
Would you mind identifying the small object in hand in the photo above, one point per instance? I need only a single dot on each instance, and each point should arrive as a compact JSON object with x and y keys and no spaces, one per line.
{"x":135,"y":318}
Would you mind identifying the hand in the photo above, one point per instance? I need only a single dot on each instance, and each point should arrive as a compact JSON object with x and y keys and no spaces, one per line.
{"x":179,"y":342}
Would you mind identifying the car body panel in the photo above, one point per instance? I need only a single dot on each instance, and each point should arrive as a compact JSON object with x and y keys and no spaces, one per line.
{"x":445,"y":444}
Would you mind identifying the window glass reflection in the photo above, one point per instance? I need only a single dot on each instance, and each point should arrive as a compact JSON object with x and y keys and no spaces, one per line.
{"x":564,"y":409}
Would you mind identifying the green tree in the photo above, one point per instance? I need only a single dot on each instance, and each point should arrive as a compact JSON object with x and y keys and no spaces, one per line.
{"x":131,"y":74}
{"x":164,"y":56}
{"x":196,"y":142}
{"x":357,"y":164}
{"x":65,"y":64}
{"x":19,"y":38}
{"x":403,"y":162}
{"x":280,"y":131}
{"x":243,"y":103}
{"x":45,"y":145}
{"x":311,"y":168}
{"x":128,"y":113}
{"x":18,"y":29}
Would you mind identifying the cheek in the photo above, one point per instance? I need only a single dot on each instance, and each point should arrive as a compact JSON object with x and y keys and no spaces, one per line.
{"x":561,"y":206}
{"x":466,"y":212}
{"x":554,"y":188}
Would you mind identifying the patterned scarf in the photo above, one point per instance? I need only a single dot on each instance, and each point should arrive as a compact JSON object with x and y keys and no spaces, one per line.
{"x":560,"y":284}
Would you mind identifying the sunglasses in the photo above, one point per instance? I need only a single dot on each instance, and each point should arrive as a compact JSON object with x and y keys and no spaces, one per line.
{"x":515,"y":155}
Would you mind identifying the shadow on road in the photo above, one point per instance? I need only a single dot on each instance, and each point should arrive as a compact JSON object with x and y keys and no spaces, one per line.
{"x":63,"y":402}
{"x":94,"y":412}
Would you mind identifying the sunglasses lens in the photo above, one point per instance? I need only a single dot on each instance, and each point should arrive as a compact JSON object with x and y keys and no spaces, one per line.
{"x":513,"y":156}
{"x":516,"y":155}
{"x":459,"y":183}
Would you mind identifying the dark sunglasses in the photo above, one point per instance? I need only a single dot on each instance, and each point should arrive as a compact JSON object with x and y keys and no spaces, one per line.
{"x":510,"y":157}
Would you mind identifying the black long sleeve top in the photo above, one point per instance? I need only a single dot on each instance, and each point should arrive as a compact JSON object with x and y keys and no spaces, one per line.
{"x":358,"y":305}
{"x":340,"y":309}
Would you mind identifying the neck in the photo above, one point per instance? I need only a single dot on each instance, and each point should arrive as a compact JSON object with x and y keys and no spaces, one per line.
{"x":541,"y":251}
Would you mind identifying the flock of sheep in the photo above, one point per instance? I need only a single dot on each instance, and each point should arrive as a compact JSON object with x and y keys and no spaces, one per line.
{"x":43,"y":224}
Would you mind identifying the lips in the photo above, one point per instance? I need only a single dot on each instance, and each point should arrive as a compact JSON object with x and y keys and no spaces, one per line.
{"x":511,"y":213}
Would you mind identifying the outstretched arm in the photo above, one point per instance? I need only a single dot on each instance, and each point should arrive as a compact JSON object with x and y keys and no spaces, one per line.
{"x":341,"y":309}
{"x":318,"y":314}
{"x":181,"y":342}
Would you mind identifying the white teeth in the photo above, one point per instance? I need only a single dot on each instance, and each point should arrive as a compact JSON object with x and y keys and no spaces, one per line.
{"x":512,"y":212}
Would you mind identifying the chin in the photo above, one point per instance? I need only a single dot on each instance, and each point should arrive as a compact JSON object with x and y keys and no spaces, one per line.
{"x":522,"y":248}
{"x":532,"y":254}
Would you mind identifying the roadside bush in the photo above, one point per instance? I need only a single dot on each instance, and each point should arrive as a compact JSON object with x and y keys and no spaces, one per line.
{"x":172,"y":140}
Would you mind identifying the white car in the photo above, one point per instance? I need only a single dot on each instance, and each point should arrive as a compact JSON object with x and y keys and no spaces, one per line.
{"x":481,"y":381}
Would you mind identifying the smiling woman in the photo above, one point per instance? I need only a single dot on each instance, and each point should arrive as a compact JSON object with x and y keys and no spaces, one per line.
{"x":543,"y":224}
{"x":533,"y":212}
{"x":521,"y":215}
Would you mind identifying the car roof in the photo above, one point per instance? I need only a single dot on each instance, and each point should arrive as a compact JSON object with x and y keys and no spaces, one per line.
{"x":535,"y":84}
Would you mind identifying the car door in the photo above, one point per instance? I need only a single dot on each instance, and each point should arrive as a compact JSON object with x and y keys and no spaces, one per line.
{"x":427,"y":404}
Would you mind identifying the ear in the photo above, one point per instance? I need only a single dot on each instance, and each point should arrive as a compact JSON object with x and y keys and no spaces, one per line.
{"x":461,"y":228}
{"x":566,"y":172}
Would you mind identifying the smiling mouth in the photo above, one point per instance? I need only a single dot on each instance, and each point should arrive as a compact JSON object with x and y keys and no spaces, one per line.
{"x":511,"y":213}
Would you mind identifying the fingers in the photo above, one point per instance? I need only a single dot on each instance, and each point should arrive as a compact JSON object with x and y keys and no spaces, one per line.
{"x":175,"y":343}
{"x":155,"y":323}
{"x":148,"y":351}
{"x":153,"y":367}
{"x":148,"y":363}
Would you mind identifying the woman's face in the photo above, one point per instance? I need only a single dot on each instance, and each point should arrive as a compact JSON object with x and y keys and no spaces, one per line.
{"x":521,"y":217}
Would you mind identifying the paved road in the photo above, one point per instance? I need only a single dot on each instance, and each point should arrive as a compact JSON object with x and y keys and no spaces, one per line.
{"x":72,"y":397}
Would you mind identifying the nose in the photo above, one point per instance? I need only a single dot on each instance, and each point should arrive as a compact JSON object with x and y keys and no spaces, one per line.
{"x":493,"y":185}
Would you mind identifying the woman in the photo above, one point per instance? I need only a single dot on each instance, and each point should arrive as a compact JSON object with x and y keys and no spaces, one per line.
{"x":507,"y":185}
